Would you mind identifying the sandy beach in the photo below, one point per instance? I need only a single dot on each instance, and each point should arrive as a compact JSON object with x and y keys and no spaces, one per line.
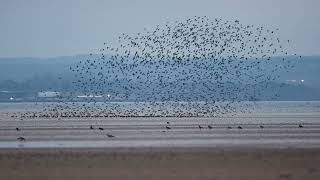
{"x":142,"y":148}
{"x":179,"y":163}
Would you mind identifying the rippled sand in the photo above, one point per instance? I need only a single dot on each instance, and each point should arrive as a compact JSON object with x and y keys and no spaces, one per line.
{"x":140,"y":164}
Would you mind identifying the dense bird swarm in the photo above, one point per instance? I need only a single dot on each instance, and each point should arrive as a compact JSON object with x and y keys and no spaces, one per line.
{"x":192,"y":67}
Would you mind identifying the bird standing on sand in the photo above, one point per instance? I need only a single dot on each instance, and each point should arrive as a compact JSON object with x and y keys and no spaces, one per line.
{"x":110,"y":135}
{"x":21,"y":139}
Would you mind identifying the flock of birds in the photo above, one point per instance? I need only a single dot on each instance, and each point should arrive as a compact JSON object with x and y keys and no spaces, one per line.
{"x":192,"y":67}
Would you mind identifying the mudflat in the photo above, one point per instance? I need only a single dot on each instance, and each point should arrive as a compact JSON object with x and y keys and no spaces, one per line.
{"x":160,"y":164}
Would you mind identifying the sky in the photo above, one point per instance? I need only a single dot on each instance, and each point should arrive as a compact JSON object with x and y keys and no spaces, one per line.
{"x":49,"y":28}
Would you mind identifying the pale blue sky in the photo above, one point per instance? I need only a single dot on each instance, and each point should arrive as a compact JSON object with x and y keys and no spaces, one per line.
{"x":47,"y":28}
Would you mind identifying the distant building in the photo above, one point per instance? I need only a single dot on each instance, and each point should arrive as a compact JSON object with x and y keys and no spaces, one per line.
{"x":48,"y":94}
{"x":295,"y":82}
{"x":89,"y":96}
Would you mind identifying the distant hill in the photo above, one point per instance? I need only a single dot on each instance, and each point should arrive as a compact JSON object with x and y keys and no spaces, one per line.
{"x":35,"y":74}
{"x":22,"y":69}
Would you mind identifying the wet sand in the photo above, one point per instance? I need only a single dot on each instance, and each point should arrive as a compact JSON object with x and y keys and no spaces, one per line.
{"x":280,"y":130}
{"x":161,"y":163}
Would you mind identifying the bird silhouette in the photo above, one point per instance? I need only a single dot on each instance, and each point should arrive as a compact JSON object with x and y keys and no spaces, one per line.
{"x":110,"y":135}
{"x":21,"y":139}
